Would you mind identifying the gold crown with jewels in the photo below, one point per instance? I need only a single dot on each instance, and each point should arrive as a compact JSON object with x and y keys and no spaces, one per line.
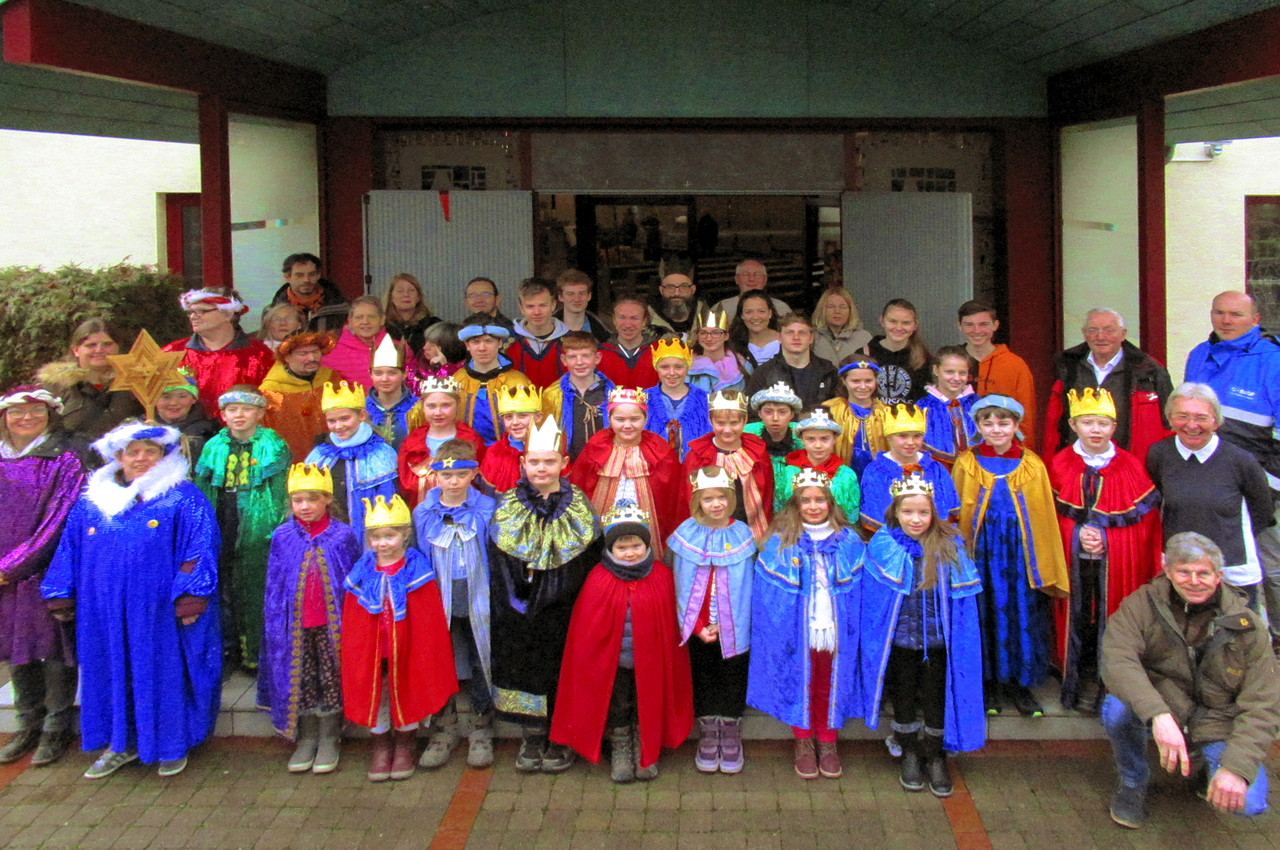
{"x":911,"y":485}
{"x":441,"y":385}
{"x":727,"y":400}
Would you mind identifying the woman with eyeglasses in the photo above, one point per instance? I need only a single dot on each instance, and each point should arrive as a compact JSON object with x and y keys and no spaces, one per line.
{"x":1211,"y":486}
{"x":715,"y":366}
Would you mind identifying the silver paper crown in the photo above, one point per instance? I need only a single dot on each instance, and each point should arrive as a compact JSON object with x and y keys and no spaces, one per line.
{"x":818,"y":420}
{"x":810,"y":478}
{"x":625,"y":512}
{"x":913,"y":484}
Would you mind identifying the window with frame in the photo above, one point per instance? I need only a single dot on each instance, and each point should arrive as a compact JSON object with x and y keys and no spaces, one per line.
{"x":1262,"y":255}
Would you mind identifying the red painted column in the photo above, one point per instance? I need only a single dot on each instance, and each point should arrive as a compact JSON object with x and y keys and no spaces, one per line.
{"x":347,"y":176}
{"x":1151,"y":237}
{"x":1034,"y":309}
{"x":215,"y":191}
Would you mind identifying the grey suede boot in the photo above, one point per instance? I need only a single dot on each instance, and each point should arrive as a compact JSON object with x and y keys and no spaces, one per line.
{"x":330,"y":738}
{"x":304,"y":754}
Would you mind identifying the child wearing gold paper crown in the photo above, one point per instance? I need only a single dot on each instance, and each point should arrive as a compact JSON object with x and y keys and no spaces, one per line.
{"x":518,"y":409}
{"x":1109,"y":518}
{"x":903,"y":427}
{"x":677,"y":409}
{"x":363,"y":465}
{"x":298,"y":679}
{"x":397,"y":659}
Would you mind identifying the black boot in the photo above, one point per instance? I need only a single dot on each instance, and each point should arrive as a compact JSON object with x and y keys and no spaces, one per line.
{"x":909,"y":773}
{"x":935,"y":765}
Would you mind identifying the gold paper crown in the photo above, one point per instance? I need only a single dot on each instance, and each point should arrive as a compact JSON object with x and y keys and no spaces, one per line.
{"x":714,"y":319}
{"x":720,"y":400}
{"x":521,"y":398}
{"x":911,"y":485}
{"x":342,"y":396}
{"x":389,"y":354}
{"x":625,"y":512}
{"x":902,"y":419}
{"x":306,"y":476}
{"x":718,"y":479}
{"x":1091,"y":402}
{"x":441,"y":385}
{"x":381,"y":514}
{"x":628,"y":395}
{"x":810,"y":478}
{"x":671,"y":347}
{"x":544,"y":437}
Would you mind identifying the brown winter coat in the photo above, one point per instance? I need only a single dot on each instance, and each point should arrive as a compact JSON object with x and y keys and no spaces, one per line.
{"x":1231,"y":695}
{"x":87,"y":410}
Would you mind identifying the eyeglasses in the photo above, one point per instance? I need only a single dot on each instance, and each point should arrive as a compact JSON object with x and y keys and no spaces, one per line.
{"x":204,"y":312}
{"x":677,"y":287}
{"x":11,"y":413}
{"x":711,"y":332}
{"x":1198,"y":419}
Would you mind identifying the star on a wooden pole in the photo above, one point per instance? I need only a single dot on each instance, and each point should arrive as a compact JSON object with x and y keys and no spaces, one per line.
{"x":145,"y":371}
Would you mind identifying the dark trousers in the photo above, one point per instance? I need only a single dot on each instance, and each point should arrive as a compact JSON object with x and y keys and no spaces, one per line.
{"x":917,"y":685}
{"x":622,"y":702}
{"x":466,"y":659}
{"x":719,"y":683}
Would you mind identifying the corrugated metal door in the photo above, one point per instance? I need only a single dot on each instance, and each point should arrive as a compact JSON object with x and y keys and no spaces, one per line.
{"x":489,"y":234}
{"x":917,"y":246}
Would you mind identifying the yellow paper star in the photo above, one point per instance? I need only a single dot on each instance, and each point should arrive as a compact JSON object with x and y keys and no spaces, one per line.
{"x":447,"y":463}
{"x":146,"y":370}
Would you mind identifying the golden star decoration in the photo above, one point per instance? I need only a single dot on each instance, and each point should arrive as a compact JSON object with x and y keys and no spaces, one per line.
{"x":145,"y":371}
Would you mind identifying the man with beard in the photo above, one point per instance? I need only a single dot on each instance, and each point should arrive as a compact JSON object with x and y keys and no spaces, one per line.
{"x":293,"y":389}
{"x":677,"y":308}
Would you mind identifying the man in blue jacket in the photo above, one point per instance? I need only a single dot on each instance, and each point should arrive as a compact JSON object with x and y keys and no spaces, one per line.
{"x":1242,"y":364}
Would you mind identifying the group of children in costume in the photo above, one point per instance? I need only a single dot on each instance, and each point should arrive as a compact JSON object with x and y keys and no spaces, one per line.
{"x":602,"y":562}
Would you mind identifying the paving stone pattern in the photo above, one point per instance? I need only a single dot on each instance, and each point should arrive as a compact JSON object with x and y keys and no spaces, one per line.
{"x":236,"y":794}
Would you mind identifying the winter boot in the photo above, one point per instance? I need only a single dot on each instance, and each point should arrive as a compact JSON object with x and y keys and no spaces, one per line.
{"x":330,"y":737}
{"x":444,"y":739}
{"x":909,"y":773}
{"x":935,"y":765}
{"x":480,"y":742}
{"x":404,"y":758}
{"x":644,"y":774}
{"x":380,"y":763}
{"x":304,"y":754}
{"x":829,"y":760}
{"x":622,"y":762}
{"x":731,"y":755}
{"x":707,"y":758}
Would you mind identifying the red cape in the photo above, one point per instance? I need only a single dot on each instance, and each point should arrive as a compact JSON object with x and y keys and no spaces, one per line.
{"x":664,"y":687}
{"x":702,"y":452}
{"x":419,"y":672}
{"x":218,"y":371}
{"x":1133,"y":545}
{"x":501,"y":465}
{"x":664,"y":480}
{"x":414,"y":453}
{"x":638,"y":373}
{"x":543,"y":369}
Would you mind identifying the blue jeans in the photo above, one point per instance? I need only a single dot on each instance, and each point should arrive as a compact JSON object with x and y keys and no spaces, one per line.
{"x":1129,"y":737}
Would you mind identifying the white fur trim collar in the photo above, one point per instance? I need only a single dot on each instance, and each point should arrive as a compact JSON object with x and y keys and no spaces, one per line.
{"x":112,"y":499}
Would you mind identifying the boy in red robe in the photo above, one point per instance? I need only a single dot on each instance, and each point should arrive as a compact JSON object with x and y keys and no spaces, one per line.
{"x":743,"y":456}
{"x":624,"y":668}
{"x":518,"y":408}
{"x":1110,"y":523}
{"x":397,"y":659}
{"x":626,"y":463}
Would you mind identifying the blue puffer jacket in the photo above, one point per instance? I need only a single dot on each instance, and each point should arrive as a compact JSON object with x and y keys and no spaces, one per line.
{"x":1245,"y":373}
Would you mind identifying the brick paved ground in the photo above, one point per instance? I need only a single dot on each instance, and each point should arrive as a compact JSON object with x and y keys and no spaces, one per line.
{"x":236,"y":794}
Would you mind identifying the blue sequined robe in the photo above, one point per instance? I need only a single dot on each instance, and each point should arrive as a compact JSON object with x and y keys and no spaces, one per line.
{"x":691,"y":416}
{"x":363,"y":468}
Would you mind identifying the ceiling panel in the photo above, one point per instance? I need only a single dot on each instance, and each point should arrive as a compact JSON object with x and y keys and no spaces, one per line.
{"x":1243,"y":111}
{"x":327,"y":34}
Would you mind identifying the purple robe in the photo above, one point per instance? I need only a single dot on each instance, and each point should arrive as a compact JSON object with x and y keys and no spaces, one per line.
{"x":335,"y":550}
{"x":37,"y":492}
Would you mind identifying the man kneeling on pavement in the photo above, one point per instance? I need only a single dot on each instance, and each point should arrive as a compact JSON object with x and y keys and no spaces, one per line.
{"x":1187,"y":663}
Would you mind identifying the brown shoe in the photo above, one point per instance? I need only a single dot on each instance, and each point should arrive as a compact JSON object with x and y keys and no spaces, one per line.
{"x":806,"y":760}
{"x":829,"y":760}
{"x":380,"y":764}
{"x":404,"y":757}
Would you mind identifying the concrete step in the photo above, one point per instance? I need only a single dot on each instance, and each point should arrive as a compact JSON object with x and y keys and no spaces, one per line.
{"x":241,"y":717}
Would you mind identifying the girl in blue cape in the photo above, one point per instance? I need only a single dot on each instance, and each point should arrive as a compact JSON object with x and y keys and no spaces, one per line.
{"x":804,"y":623}
{"x":712,"y":557}
{"x":920,"y":640}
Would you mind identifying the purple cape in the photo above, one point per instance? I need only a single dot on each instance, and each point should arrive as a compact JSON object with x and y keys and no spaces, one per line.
{"x":37,"y":491}
{"x":280,"y":664}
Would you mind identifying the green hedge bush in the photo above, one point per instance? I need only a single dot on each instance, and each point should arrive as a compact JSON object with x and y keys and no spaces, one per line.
{"x":39,"y":309}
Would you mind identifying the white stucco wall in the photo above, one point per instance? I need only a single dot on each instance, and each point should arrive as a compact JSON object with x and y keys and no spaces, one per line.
{"x":1099,"y":224}
{"x":90,"y":200}
{"x":1204,"y":227}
